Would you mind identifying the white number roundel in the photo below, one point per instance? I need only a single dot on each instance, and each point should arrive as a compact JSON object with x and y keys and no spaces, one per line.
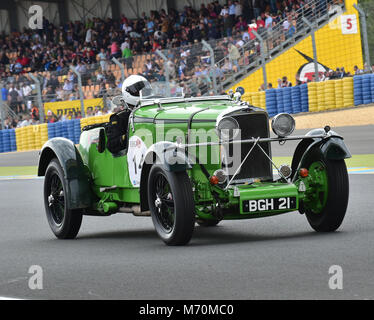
{"x":135,"y":158}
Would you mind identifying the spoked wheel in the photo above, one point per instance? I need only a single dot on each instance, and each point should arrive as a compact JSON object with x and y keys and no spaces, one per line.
{"x":56,"y":200}
{"x":64,"y":223}
{"x":172,"y":206}
{"x":327,"y":205}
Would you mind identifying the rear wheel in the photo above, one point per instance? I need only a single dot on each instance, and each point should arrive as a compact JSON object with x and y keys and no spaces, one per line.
{"x":328,"y":202}
{"x":64,"y":223}
{"x":171,"y":204}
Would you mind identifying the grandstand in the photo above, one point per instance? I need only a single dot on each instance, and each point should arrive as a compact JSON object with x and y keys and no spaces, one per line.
{"x":170,"y":41}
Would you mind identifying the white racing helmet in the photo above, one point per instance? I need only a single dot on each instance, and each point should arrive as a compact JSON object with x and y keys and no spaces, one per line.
{"x":134,"y":88}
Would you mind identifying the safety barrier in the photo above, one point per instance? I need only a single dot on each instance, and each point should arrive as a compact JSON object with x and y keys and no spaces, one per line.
{"x":289,"y":99}
{"x":7,"y":140}
{"x":257,"y":99}
{"x":33,"y":137}
{"x":315,"y":96}
{"x":363,"y":89}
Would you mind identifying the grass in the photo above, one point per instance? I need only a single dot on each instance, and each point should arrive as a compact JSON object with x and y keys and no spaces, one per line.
{"x":18,"y":171}
{"x":362,"y":160}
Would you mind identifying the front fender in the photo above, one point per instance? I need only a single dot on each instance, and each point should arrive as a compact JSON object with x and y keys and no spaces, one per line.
{"x":331,"y":148}
{"x":76,"y":174}
{"x":172,"y":160}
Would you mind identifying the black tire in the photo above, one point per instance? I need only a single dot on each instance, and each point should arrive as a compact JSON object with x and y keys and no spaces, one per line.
{"x":65,"y":223}
{"x":172,"y":205}
{"x":331,"y":216}
{"x":207,"y":223}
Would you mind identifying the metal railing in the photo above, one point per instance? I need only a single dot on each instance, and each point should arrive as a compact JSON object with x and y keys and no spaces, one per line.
{"x":267,"y":43}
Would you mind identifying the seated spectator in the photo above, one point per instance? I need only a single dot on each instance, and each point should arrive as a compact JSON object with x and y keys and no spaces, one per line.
{"x":357,"y":70}
{"x":26,"y":121}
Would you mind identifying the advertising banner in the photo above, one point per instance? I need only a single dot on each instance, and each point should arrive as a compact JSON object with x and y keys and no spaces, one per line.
{"x":63,"y":107}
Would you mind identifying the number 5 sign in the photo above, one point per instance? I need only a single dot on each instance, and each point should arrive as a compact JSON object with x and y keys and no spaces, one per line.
{"x":349,"y":24}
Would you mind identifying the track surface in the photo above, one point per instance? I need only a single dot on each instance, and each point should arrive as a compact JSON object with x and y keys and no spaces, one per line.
{"x":121,"y":257}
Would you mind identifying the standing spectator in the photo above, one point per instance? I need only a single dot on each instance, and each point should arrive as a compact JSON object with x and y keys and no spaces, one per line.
{"x":114,"y":50}
{"x":238,"y":9}
{"x":26,"y":92}
{"x":103,"y":59}
{"x":292,"y":29}
{"x":35,"y":113}
{"x":234,"y":55}
{"x":4,"y":92}
{"x":68,"y":87}
{"x":14,"y":98}
{"x":256,"y":4}
{"x":224,"y":11}
{"x":127,"y":54}
{"x":227,"y":25}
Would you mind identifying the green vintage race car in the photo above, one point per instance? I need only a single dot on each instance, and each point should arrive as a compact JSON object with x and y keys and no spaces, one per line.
{"x":192,"y":160}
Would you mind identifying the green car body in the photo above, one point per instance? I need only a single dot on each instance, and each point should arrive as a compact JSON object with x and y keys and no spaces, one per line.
{"x":180,"y":135}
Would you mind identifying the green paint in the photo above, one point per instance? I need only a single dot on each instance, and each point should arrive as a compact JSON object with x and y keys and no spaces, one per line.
{"x":18,"y":171}
{"x":317,"y":187}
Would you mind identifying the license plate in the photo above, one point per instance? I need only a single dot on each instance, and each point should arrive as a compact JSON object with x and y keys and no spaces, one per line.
{"x":271,"y":204}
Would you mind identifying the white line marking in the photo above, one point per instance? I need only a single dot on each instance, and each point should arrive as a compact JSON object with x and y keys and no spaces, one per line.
{"x":9,"y":298}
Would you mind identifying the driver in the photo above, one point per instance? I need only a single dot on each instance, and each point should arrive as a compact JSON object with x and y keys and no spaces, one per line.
{"x":133,"y":89}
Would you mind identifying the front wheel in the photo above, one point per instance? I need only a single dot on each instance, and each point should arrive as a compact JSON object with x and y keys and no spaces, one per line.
{"x":328,"y":202}
{"x":64,"y":223}
{"x":171,"y":204}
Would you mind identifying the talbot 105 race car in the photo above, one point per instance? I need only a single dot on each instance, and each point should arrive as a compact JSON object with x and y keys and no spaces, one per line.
{"x":191,"y":160}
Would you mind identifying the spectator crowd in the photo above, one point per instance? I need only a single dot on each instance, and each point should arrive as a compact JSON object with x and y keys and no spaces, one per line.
{"x":94,"y":42}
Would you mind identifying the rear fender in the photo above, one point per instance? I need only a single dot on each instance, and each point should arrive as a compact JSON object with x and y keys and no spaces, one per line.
{"x":76,"y":175}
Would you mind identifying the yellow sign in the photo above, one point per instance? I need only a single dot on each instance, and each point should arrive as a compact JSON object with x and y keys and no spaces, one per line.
{"x":338,"y":45}
{"x":64,"y":107}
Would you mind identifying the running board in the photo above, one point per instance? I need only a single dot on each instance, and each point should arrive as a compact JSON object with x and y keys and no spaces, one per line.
{"x":135,"y":210}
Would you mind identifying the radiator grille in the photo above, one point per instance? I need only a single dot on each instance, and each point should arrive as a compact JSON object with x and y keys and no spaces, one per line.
{"x":257,"y":165}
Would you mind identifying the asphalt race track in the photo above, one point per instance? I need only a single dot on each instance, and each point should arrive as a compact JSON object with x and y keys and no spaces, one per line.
{"x":121,"y":257}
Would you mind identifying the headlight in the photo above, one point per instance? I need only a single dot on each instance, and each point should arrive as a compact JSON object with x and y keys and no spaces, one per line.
{"x":228,"y":129}
{"x":221,"y":176}
{"x":283,"y":124}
